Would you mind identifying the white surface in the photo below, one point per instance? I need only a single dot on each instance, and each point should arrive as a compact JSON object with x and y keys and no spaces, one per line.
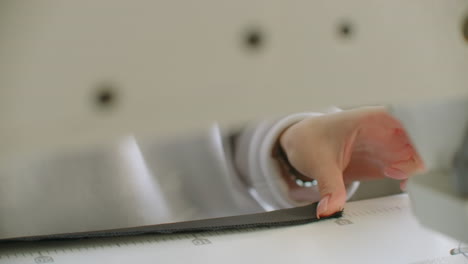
{"x":179,"y":65}
{"x":383,"y":231}
{"x":437,"y":130}
{"x":437,"y":205}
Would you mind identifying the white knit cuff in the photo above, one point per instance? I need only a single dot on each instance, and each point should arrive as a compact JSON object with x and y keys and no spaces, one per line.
{"x":270,"y":167}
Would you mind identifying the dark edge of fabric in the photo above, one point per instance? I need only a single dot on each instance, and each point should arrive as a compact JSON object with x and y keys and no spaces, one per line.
{"x":278,"y":218}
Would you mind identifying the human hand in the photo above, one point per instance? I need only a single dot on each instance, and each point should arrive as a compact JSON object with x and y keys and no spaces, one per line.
{"x":338,"y":148}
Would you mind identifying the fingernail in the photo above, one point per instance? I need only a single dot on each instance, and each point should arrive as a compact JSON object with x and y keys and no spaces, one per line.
{"x":395,"y":173}
{"x":322,"y":206}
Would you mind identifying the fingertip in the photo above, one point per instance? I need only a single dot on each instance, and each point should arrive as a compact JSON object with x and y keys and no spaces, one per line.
{"x":331,"y":187}
{"x":322,"y":207}
{"x":329,"y":205}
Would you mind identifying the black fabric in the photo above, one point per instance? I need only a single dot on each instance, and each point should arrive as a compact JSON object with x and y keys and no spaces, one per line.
{"x":284,"y":217}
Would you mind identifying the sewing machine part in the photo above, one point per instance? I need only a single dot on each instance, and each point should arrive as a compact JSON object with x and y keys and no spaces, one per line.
{"x":438,"y":131}
{"x":460,"y":250}
{"x":460,"y":168}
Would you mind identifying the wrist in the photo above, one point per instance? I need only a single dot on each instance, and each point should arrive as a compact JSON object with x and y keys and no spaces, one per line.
{"x":288,"y":171}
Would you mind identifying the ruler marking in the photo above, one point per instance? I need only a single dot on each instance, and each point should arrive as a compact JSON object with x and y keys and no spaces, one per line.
{"x":51,"y":248}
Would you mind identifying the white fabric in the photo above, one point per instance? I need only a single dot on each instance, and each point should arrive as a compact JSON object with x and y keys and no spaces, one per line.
{"x":134,"y":182}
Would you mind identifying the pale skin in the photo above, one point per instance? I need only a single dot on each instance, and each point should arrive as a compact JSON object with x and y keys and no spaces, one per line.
{"x":354,"y":145}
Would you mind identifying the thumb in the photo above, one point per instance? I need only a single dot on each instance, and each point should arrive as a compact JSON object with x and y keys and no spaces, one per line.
{"x":332,"y":189}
